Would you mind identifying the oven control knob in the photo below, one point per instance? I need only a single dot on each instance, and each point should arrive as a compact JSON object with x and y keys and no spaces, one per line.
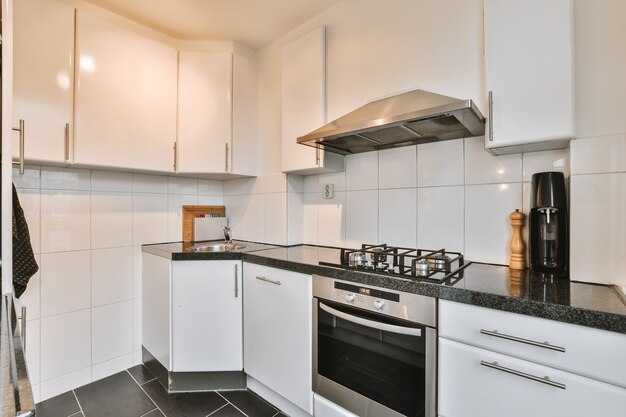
{"x":378,"y":304}
{"x":349,"y":298}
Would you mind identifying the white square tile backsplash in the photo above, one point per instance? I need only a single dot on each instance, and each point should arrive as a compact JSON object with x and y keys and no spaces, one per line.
{"x":440,"y":163}
{"x":483,"y":168}
{"x":397,"y":222}
{"x":86,"y":229}
{"x":440,"y":218}
{"x":361,"y":217}
{"x":603,"y":154}
{"x":487,"y":227}
{"x":362,"y":171}
{"x":397,"y":168}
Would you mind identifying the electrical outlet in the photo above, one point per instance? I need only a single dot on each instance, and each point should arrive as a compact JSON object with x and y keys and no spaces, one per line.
{"x":328,"y":191}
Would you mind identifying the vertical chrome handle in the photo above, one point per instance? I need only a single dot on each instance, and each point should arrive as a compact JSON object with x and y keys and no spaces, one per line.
{"x":236,"y":281}
{"x":20,"y":162}
{"x":226,"y":157}
{"x":317,"y":156}
{"x":67,"y":141}
{"x":23,"y":328}
{"x":545,"y":380}
{"x":175,"y":165}
{"x":491,"y":116}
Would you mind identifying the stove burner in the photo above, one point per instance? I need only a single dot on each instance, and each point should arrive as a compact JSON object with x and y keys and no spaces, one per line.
{"x":420,"y":264}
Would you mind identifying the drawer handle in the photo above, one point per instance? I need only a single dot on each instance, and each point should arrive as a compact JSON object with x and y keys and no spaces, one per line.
{"x":545,"y":380}
{"x":544,"y":345}
{"x":271,"y":281}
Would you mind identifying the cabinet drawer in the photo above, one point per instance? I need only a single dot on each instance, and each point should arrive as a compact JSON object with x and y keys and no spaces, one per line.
{"x":481,"y":383}
{"x":590,"y":352}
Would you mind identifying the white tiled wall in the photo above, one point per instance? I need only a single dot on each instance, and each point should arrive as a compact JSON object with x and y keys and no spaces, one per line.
{"x":84,"y":310}
{"x":598,"y":204}
{"x":261,"y":209}
{"x":450,"y":194}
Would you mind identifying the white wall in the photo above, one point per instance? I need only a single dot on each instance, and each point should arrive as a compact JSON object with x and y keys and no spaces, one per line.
{"x":377,"y":48}
{"x":84,"y":305}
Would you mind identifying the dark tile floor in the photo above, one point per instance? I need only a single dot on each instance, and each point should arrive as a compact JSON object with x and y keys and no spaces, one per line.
{"x":136,"y":393}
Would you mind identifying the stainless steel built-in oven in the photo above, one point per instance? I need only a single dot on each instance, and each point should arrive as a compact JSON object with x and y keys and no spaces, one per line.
{"x":374,"y":349}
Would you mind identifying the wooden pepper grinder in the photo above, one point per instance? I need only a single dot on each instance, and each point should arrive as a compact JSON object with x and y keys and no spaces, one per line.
{"x":517,"y":259}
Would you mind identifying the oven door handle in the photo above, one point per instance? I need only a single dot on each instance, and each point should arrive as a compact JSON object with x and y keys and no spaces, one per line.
{"x":372,"y":324}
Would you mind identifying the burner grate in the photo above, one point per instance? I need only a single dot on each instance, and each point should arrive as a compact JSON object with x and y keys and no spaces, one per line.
{"x":403,"y":262}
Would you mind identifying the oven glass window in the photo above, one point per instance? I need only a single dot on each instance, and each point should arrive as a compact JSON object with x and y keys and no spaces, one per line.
{"x":388,"y":368}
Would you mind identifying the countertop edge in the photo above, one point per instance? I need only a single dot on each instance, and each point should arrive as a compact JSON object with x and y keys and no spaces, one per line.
{"x":566,"y":314}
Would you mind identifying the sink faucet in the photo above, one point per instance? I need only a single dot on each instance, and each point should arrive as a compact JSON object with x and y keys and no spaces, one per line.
{"x":227,"y":237}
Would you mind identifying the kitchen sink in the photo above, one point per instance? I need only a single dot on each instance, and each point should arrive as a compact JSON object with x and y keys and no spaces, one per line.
{"x":218,"y":247}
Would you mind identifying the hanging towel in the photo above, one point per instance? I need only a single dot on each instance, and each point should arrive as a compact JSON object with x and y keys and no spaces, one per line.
{"x":24,"y":264}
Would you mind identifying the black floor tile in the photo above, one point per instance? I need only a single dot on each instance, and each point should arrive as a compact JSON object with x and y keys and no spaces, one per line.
{"x":183,"y":405}
{"x":141,"y":374}
{"x":62,"y":405}
{"x":115,"y":396}
{"x":228,"y":411}
{"x":250,"y":403}
{"x":154,"y":413}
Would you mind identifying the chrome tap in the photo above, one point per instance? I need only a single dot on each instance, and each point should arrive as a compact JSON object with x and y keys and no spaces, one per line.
{"x":227,"y":237}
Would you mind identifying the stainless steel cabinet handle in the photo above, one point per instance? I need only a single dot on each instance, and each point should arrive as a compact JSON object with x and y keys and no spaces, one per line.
{"x":317,"y":156}
{"x":175,"y":156}
{"x":226,"y":157}
{"x":20,"y":162}
{"x":372,"y":324}
{"x":236,"y":281}
{"x":545,"y":380}
{"x":491,"y":116}
{"x":271,"y":281}
{"x":67,"y":141}
{"x":544,"y":345}
{"x":23,"y":328}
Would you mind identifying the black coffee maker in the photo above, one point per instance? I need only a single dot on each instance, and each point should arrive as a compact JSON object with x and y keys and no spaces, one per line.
{"x":549,"y":232}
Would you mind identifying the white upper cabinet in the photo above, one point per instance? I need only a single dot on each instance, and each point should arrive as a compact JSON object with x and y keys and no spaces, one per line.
{"x":204,"y":112}
{"x":43,"y":73}
{"x":216,"y":113}
{"x":304,"y":104}
{"x":125,"y":98}
{"x":529,"y":53}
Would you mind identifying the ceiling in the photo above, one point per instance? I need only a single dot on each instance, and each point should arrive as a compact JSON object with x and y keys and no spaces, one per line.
{"x":254,"y":23}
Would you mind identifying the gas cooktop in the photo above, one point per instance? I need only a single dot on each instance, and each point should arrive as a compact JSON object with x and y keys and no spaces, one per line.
{"x":418,"y":264}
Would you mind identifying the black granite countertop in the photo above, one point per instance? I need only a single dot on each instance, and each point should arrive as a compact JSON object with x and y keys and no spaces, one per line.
{"x":491,"y":286}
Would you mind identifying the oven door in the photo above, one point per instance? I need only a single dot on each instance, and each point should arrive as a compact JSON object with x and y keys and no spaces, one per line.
{"x":373,"y":365}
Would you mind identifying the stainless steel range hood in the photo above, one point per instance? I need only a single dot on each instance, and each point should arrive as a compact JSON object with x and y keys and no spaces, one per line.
{"x":405,"y":119}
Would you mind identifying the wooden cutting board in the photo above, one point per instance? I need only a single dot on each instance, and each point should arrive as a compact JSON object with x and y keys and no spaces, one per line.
{"x":192,"y":212}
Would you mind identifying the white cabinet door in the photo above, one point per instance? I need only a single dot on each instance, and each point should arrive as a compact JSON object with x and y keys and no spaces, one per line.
{"x":529,"y":52}
{"x":206,"y":316}
{"x":245,"y":156}
{"x":304,"y":104}
{"x":468,"y":388}
{"x":205,"y":112}
{"x":125,"y":98}
{"x":277,"y":331}
{"x":155,"y":307}
{"x":43,"y":74}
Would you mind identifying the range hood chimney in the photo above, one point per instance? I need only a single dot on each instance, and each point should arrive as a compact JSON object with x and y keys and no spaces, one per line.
{"x":405,"y":119}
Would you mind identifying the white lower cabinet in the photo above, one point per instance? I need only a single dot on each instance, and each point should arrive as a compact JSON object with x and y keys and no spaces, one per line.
{"x":277,"y":331}
{"x":192,"y":314}
{"x":325,"y":408}
{"x":475,"y":382}
{"x":206,"y":316}
{"x":496,"y":363}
